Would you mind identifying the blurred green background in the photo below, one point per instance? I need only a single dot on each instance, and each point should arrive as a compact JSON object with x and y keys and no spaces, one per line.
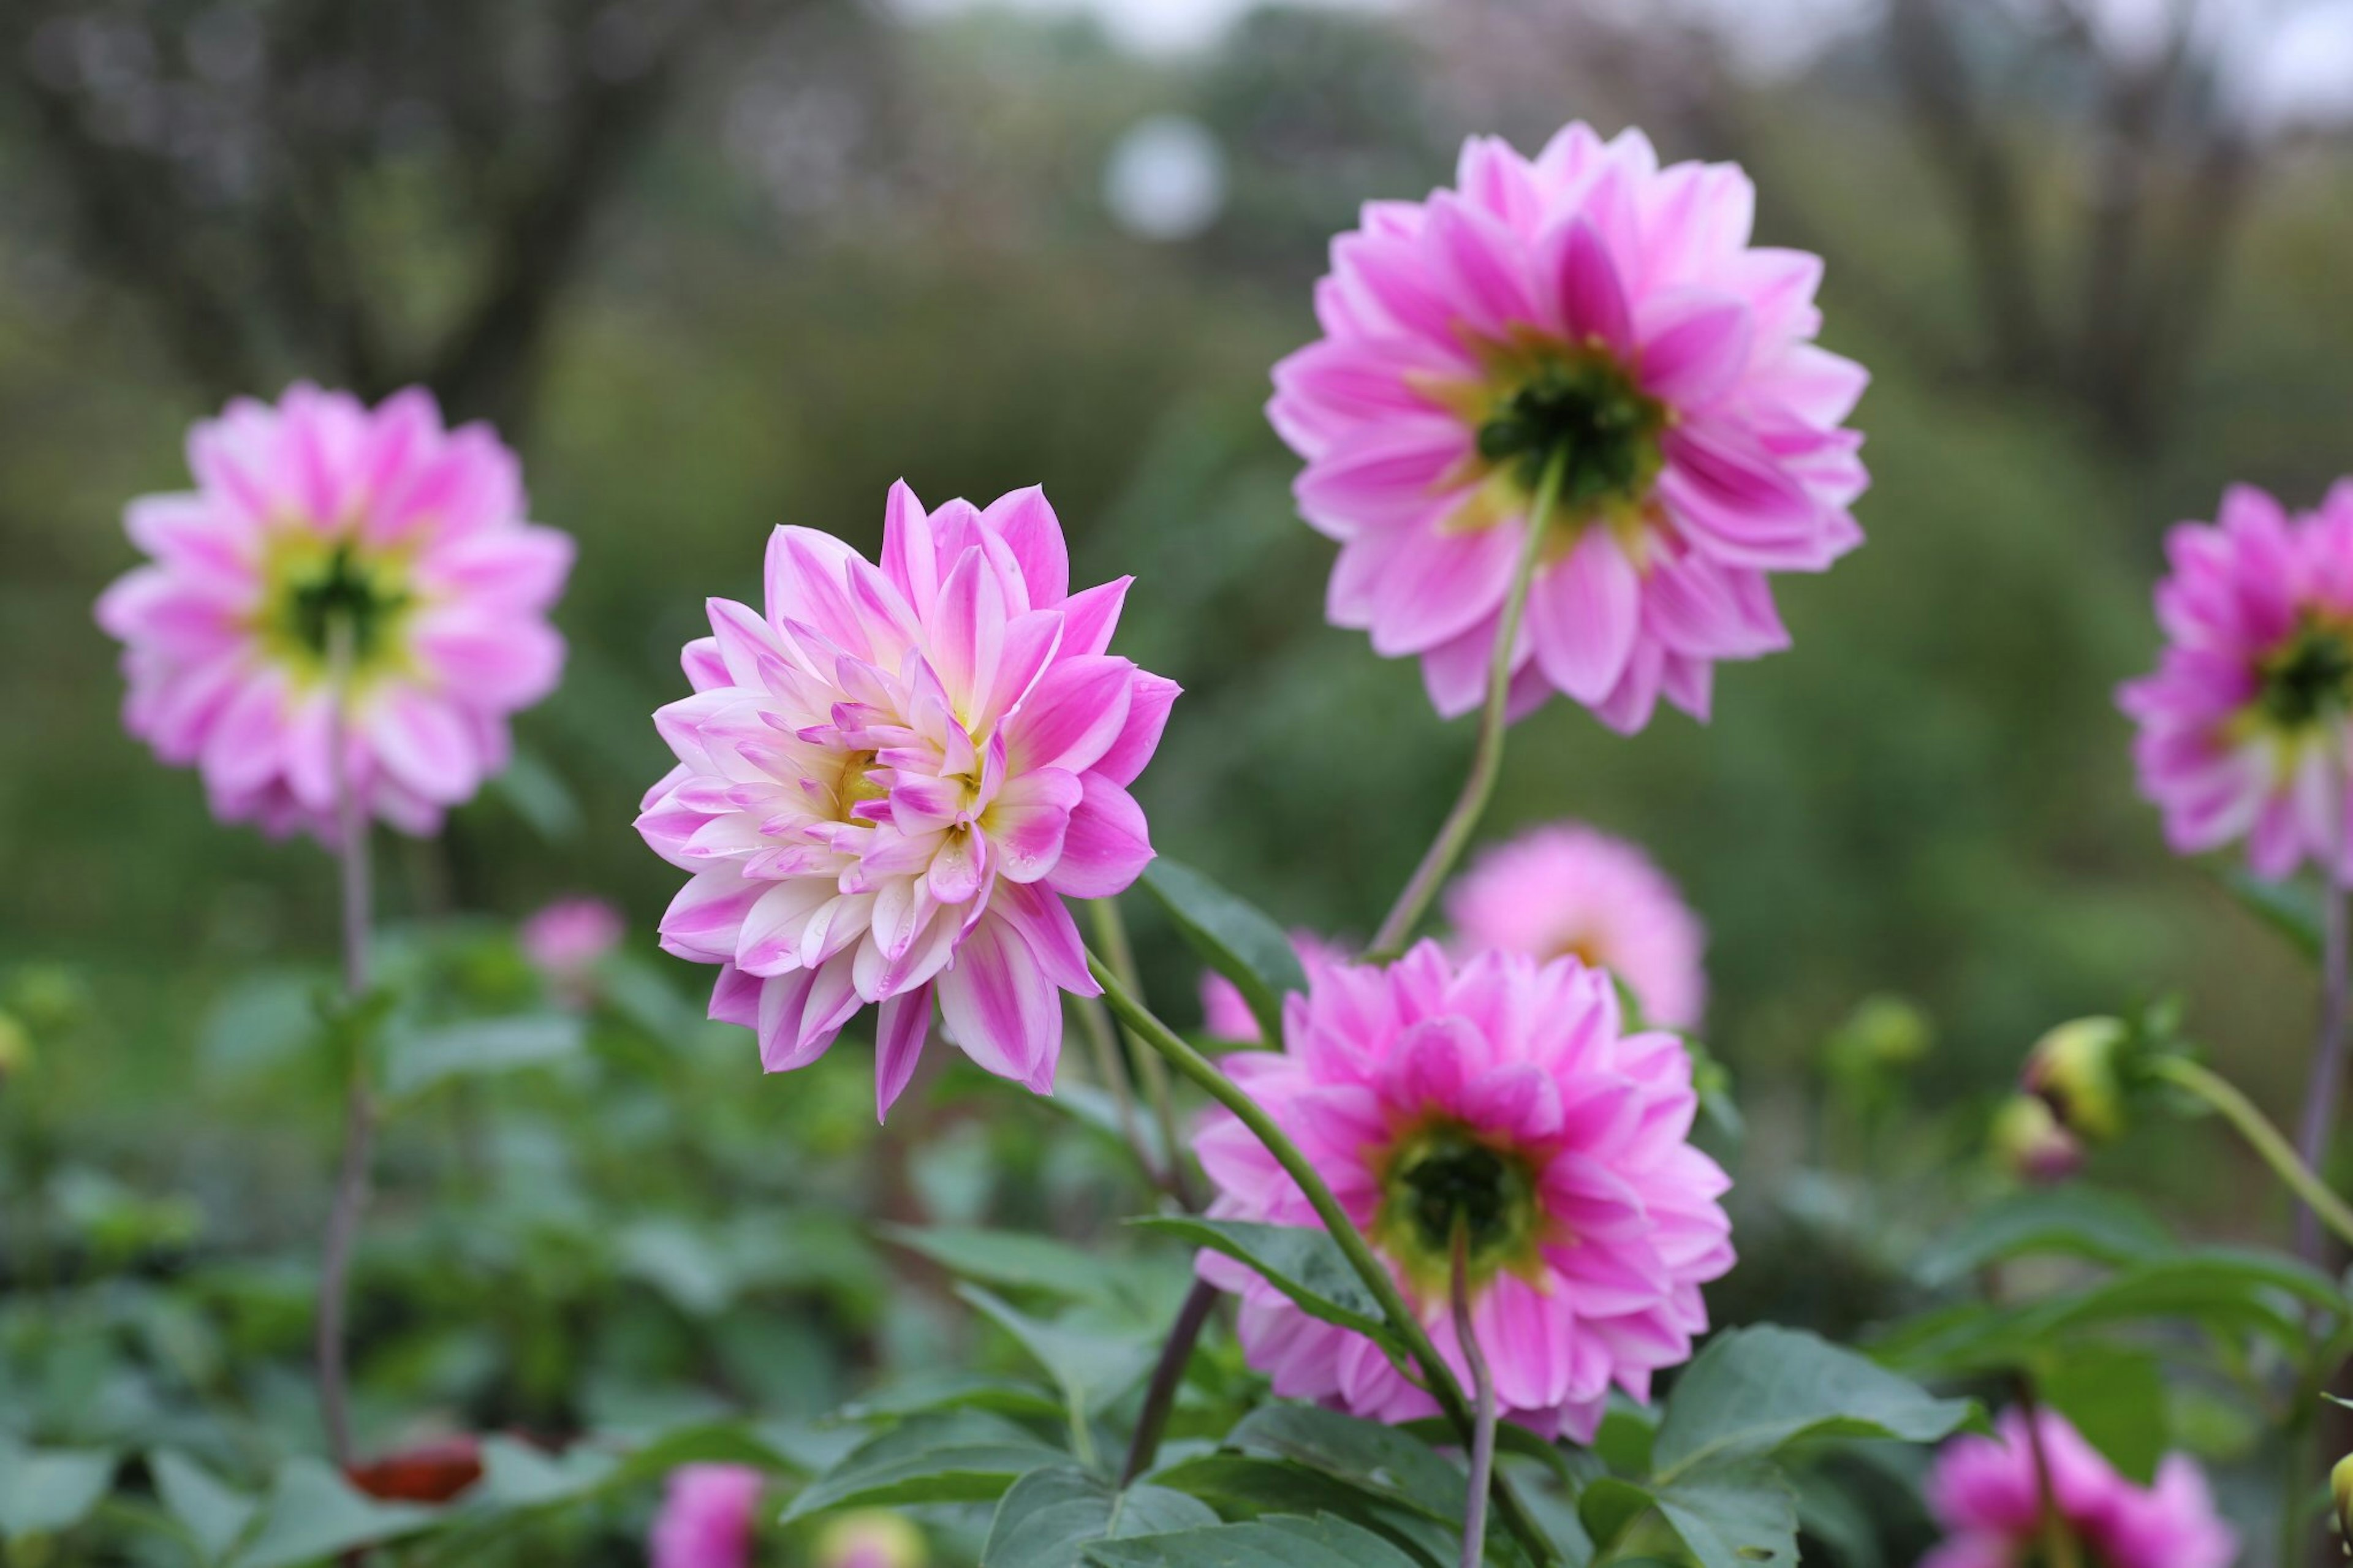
{"x":715,"y":268}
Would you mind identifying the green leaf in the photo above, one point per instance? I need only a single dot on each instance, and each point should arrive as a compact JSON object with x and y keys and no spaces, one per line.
{"x":1753,"y":1390}
{"x":1734,"y":1516}
{"x":516,"y":1475}
{"x":45,"y":1491}
{"x":1233,"y":937}
{"x":1243,"y":1485}
{"x":683,"y":1262}
{"x":1607,"y":1506}
{"x":1091,"y":1367}
{"x":539,"y":795}
{"x":2074,"y":1221}
{"x":1013,"y":1259}
{"x":312,"y":1512}
{"x":2115,"y":1397}
{"x":213,"y":1513}
{"x":2290,"y":908}
{"x":1049,"y":1515}
{"x":964,"y":1455}
{"x":1363,"y":1453}
{"x":952,"y":1390}
{"x":1276,"y":1543}
{"x":1302,"y":1261}
{"x":425,"y":1060}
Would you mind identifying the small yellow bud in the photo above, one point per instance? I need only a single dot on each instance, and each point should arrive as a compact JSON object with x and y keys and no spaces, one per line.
{"x":2340,"y":1488}
{"x":2074,"y":1069}
{"x":872,"y":1538}
{"x":2030,"y":1144}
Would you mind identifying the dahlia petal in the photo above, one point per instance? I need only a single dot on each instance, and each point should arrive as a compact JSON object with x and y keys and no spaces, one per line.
{"x":1150,"y":697}
{"x":1105,"y":845}
{"x":1028,"y":820}
{"x":1694,"y":347}
{"x":1030,"y":529}
{"x":423,"y":741}
{"x":968,"y":633}
{"x":899,"y":1032}
{"x":1443,"y":586}
{"x":1476,"y":261}
{"x":999,"y":1005}
{"x":1732,"y":500}
{"x":1045,"y":926}
{"x":1592,"y":300}
{"x":1091,"y":615}
{"x":1072,"y":715}
{"x":1584,"y":614}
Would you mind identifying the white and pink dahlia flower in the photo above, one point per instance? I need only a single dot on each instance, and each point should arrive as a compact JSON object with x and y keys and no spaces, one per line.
{"x":1591,"y":309}
{"x":1988,"y":1493}
{"x":887,"y":784}
{"x":316,"y":520}
{"x":1499,"y":1098}
{"x":1564,"y":888}
{"x":2246,"y":726}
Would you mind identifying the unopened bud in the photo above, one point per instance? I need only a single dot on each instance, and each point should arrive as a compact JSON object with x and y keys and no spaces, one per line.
{"x":2076,"y":1070}
{"x":872,"y":1538}
{"x":2031,"y":1145}
{"x":2341,"y":1488}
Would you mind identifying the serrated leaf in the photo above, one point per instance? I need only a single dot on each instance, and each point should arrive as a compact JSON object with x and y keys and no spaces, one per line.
{"x":420,"y":1061}
{"x":1302,"y":1262}
{"x":1232,"y":937}
{"x":964,"y":1455}
{"x":214,"y":1513}
{"x":1049,"y":1516}
{"x":1091,"y":1366}
{"x":1365,"y":1453}
{"x":44,"y":1491}
{"x":1753,"y":1390}
{"x":1734,"y":1516}
{"x":2074,"y":1220}
{"x":1012,"y":1259}
{"x":1275,"y":1542}
{"x":311,"y":1513}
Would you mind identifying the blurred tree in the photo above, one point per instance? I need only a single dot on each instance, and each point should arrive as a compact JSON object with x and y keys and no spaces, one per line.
{"x":375,"y":195}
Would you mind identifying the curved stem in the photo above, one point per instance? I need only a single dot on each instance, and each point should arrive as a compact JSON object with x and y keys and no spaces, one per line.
{"x":1482,"y":1441}
{"x":2262,"y":1137}
{"x":1487,"y":752}
{"x":2324,"y":1086}
{"x":1160,"y":1396}
{"x":1111,"y":934}
{"x":1437,"y":1376}
{"x":350,"y":1199}
{"x":2060,"y":1549}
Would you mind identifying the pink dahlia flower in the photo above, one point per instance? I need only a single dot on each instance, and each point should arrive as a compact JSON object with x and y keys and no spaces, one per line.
{"x":1566,"y":888}
{"x":1500,"y":1097}
{"x":319,"y":514}
{"x":2246,"y":727}
{"x":886,"y":784}
{"x":1989,"y":1495}
{"x":1225,"y":1016}
{"x":1591,"y":308}
{"x":707,"y":1515}
{"x":564,"y":940}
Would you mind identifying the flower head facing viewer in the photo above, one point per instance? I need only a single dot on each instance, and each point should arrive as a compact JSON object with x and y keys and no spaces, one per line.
{"x":887,"y":784}
{"x":325,"y":537}
{"x":1564,"y":889}
{"x":2246,"y":725}
{"x":1989,"y":1494}
{"x":1495,"y":1105}
{"x":1590,"y":314}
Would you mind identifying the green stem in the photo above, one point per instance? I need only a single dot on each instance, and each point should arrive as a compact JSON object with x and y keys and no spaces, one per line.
{"x":350,"y":1200}
{"x":2060,"y":1549}
{"x":2262,"y":1137}
{"x":1110,"y":935}
{"x":1487,"y":752}
{"x":1160,"y":1397}
{"x":1482,"y":1443}
{"x":1435,"y":1376}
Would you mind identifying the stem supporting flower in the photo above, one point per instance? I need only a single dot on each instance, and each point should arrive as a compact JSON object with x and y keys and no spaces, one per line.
{"x":2325,"y":1084}
{"x":1483,"y":1440}
{"x":2265,"y":1139}
{"x":1487,"y":755}
{"x":1437,"y":1376}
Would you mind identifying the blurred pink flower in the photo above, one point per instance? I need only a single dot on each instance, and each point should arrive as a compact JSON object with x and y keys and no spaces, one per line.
{"x":709,"y":1513}
{"x":1566,"y":888}
{"x":1587,"y":303}
{"x":317,"y":510}
{"x":2244,"y":724}
{"x":1988,"y":1496}
{"x":1500,"y":1094}
{"x":888,"y":782}
{"x":1225,"y":1016}
{"x":564,"y":939}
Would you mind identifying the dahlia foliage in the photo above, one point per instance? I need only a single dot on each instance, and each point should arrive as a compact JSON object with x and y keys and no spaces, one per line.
{"x":1586,"y":311}
{"x":1990,"y":1493}
{"x":2246,"y":725}
{"x":319,"y":522}
{"x":888,"y":781}
{"x":1497,"y":1104}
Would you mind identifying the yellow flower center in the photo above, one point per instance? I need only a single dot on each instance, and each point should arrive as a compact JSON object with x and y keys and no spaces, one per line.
{"x":314,"y":584}
{"x":1439,"y":1176}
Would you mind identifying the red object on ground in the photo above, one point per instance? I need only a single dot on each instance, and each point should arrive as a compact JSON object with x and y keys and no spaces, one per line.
{"x":428,"y":1472}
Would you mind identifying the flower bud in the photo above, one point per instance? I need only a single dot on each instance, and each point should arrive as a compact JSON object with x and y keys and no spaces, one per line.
{"x":2076,"y":1070}
{"x":2029,"y":1143}
{"x":2341,"y":1488}
{"x":872,"y":1538}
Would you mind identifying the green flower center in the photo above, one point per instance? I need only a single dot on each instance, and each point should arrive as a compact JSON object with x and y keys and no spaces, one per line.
{"x":1441,"y":1177}
{"x":1583,"y":408}
{"x":2309,"y":678}
{"x":313,"y":585}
